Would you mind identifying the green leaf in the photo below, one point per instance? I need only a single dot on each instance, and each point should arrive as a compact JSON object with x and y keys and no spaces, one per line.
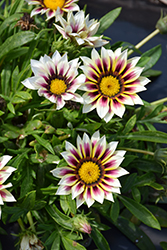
{"x":99,"y":239}
{"x":5,"y":24}
{"x":89,"y":128}
{"x":159,"y":213}
{"x":134,"y":233}
{"x":17,"y":213}
{"x":154,"y":55}
{"x":114,"y":211}
{"x":60,"y":218}
{"x":15,"y":41}
{"x":29,"y":200}
{"x":16,"y":6}
{"x":44,"y":143}
{"x":163,"y":245}
{"x":152,"y":73}
{"x":140,"y":212}
{"x":14,"y":78}
{"x":2,"y":139}
{"x":144,"y":180}
{"x":56,"y":242}
{"x":129,"y":125}
{"x":152,"y":136}
{"x":11,"y":107}
{"x":67,"y":204}
{"x":71,"y":244}
{"x":147,"y":165}
{"x":136,"y":194}
{"x":27,"y":182}
{"x":1,"y":112}
{"x":156,"y":186}
{"x":21,"y":96}
{"x":108,"y":19}
{"x":5,"y":80}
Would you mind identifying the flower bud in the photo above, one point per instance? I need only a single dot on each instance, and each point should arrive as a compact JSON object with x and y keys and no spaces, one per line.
{"x":81,"y":224}
{"x":160,"y":156}
{"x":162,"y":24}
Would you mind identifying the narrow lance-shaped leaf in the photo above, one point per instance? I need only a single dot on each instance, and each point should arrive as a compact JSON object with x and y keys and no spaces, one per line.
{"x":99,"y":240}
{"x":60,"y":218}
{"x":152,"y":136}
{"x":15,"y":41}
{"x":140,"y":212}
{"x":44,"y":143}
{"x":8,"y":21}
{"x":108,"y":19}
{"x":71,"y":244}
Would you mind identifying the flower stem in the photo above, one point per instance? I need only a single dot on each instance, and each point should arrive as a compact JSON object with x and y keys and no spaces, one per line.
{"x":21,"y":224}
{"x":159,"y":101}
{"x":138,"y":151}
{"x":29,"y":217}
{"x":145,"y":40}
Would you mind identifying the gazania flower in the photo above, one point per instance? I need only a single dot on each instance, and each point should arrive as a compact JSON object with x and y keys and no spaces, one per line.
{"x":80,"y":29}
{"x":53,"y":7}
{"x":93,"y":170}
{"x":112,"y":81}
{"x":55,"y":78}
{"x":5,"y":172}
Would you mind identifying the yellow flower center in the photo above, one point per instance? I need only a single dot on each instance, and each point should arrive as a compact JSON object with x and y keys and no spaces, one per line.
{"x":89,"y":172}
{"x":58,"y":86}
{"x":109,"y":86}
{"x":53,"y":4}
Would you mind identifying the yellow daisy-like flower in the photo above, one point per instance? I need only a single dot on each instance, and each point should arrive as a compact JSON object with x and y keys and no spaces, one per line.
{"x":112,"y":82}
{"x":53,"y":7}
{"x":93,"y":170}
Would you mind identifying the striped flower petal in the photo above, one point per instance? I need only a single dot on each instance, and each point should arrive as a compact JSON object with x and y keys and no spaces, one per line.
{"x":93,"y":170}
{"x":78,"y":28}
{"x":56,"y":79}
{"x":112,"y":82}
{"x":5,"y":172}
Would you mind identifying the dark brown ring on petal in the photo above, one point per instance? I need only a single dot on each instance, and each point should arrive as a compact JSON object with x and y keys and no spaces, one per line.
{"x":59,"y":77}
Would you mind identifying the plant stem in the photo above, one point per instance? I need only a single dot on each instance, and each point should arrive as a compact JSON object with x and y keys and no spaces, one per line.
{"x":145,"y":40}
{"x":138,"y":151}
{"x":159,"y":101}
{"x":155,"y":103}
{"x":21,"y":224}
{"x":29,"y":217}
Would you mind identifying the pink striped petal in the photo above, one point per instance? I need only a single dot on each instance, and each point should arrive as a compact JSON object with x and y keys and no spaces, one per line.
{"x":117,"y":108}
{"x":77,"y":189}
{"x":88,"y":197}
{"x":102,"y":106}
{"x":87,"y":149}
{"x":109,"y":151}
{"x":99,"y":148}
{"x":60,"y":172}
{"x":4,"y":160}
{"x":121,"y":62}
{"x":97,"y":193}
{"x":7,"y":196}
{"x":68,"y":180}
{"x":70,"y":159}
{"x":80,"y":200}
{"x":63,"y":190}
{"x":108,"y":196}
